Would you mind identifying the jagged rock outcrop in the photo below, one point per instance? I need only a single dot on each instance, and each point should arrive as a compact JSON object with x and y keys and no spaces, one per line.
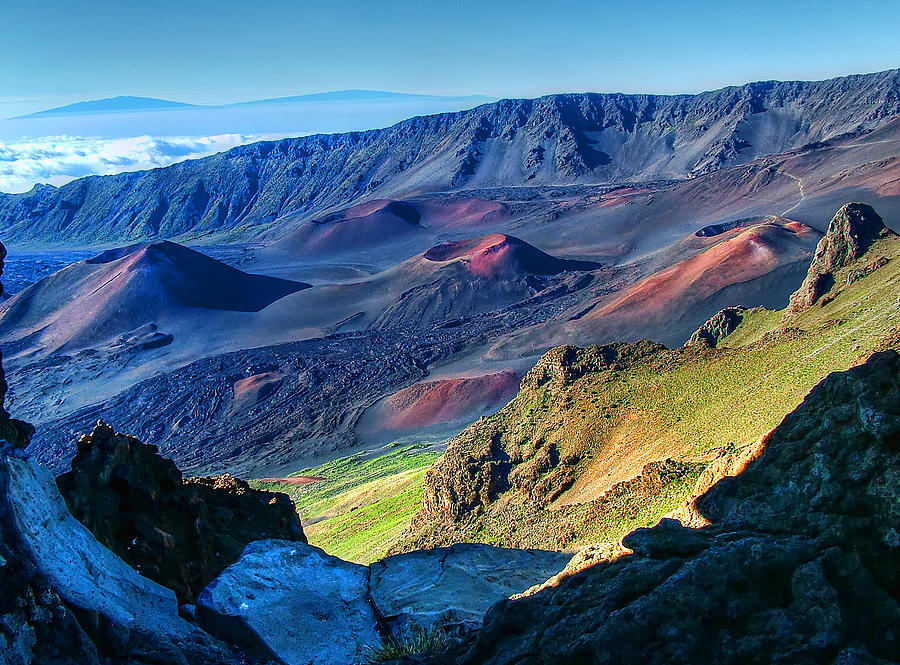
{"x":718,"y":326}
{"x":15,"y":432}
{"x":178,"y":532}
{"x":557,"y":139}
{"x":294,"y":602}
{"x":564,"y":364}
{"x":799,"y":564}
{"x":451,"y":588}
{"x":127,"y":617}
{"x":851,"y":232}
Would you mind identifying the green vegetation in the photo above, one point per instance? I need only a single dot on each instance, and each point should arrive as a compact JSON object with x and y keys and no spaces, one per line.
{"x":622,"y":512}
{"x":767,"y":366}
{"x":581,"y":452}
{"x":420,"y":642}
{"x":363,"y":505}
{"x":578,"y":449}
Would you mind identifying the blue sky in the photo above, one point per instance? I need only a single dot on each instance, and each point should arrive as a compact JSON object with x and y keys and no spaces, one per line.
{"x":210,"y":52}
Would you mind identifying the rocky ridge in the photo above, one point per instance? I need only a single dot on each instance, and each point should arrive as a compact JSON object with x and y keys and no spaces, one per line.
{"x":178,"y":532}
{"x":614,"y":436}
{"x":799,"y":564}
{"x":559,"y":139}
{"x":718,"y":327}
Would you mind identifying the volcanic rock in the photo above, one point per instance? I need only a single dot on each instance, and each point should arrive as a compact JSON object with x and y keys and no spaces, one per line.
{"x":452,"y":587}
{"x":125,"y":615}
{"x":180,"y":533}
{"x":799,"y":565}
{"x":292,"y":601}
{"x":564,"y":364}
{"x":854,"y":227}
{"x":718,"y":327}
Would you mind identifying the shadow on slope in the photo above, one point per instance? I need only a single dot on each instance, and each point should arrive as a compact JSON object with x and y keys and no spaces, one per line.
{"x":123,"y":289}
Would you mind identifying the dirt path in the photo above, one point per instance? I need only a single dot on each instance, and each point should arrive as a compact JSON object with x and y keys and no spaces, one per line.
{"x":799,"y":187}
{"x":293,"y":480}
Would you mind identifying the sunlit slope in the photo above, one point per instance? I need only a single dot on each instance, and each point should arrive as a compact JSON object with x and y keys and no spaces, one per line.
{"x":604,"y":439}
{"x":361,"y":506}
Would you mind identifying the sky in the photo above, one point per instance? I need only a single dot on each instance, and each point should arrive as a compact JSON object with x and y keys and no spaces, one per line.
{"x":205,"y":52}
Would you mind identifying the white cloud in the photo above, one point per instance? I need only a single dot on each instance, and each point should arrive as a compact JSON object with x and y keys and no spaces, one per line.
{"x":58,"y":159}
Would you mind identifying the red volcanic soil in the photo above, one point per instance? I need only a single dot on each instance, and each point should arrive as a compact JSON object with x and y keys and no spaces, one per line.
{"x":448,"y":400}
{"x":457,"y":213}
{"x":382,"y":221}
{"x":501,"y":256}
{"x":123,"y":289}
{"x":256,"y":388}
{"x":797,"y":227}
{"x":293,"y":480}
{"x":365,"y":225}
{"x":744,"y":254}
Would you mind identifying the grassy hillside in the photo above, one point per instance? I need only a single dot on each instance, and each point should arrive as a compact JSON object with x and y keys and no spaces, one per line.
{"x":363,"y":505}
{"x":605,"y":439}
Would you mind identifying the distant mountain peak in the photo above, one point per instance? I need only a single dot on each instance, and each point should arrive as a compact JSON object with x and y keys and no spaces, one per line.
{"x":358,"y":96}
{"x":120,"y":104}
{"x":129,"y":104}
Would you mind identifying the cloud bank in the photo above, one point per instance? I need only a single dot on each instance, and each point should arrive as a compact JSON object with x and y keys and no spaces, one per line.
{"x":58,"y":159}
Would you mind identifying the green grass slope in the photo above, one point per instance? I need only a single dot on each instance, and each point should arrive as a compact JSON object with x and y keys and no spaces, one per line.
{"x":602,"y":440}
{"x":363,"y":505}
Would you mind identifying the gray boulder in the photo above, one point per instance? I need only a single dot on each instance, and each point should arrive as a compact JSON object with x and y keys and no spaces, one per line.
{"x":294,"y":602}
{"x":452,"y":587}
{"x":126,"y":615}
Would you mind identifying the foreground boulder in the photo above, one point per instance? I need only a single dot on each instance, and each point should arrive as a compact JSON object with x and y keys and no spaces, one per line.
{"x":180,"y":533}
{"x":452,"y":587}
{"x":292,"y":601}
{"x":101,"y":607}
{"x":800,"y":562}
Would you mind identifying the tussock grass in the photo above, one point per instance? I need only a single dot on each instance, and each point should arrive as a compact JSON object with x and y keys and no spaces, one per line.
{"x":420,"y":642}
